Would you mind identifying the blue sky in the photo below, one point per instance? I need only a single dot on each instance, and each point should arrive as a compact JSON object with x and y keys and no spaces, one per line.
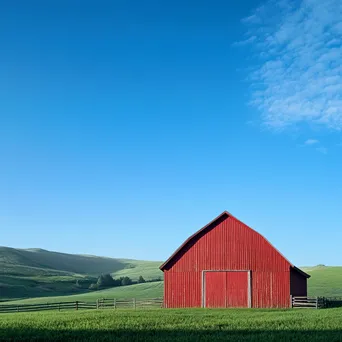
{"x":125,"y":126}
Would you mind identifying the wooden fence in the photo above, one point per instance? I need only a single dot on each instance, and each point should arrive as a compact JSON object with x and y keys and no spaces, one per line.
{"x":308,"y":302}
{"x":78,"y":305}
{"x":129,"y":303}
{"x":105,"y":303}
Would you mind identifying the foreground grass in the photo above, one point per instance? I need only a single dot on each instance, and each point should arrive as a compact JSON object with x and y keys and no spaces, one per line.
{"x":138,"y":291}
{"x":175,"y":325}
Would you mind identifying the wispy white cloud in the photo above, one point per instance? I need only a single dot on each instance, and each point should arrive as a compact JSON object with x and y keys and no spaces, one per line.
{"x":298,"y":71}
{"x":247,"y":41}
{"x":252,"y":19}
{"x":311,"y":142}
{"x":314,"y":143}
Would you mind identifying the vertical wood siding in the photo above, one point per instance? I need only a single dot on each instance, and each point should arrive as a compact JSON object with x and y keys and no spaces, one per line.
{"x":237,"y":290}
{"x":270,"y":289}
{"x":182,"y":289}
{"x":225,"y":289}
{"x":215,"y":289}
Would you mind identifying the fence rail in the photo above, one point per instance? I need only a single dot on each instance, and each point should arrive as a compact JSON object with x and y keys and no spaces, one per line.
{"x":103,"y":303}
{"x":308,"y":302}
{"x":129,"y":303}
{"x":133,"y":303}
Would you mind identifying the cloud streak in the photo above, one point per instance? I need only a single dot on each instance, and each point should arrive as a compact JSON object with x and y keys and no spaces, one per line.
{"x":298,"y":70}
{"x":311,"y":142}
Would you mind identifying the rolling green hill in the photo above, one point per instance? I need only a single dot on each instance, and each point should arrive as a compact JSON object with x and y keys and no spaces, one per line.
{"x":41,"y":273}
{"x":325,"y":281}
{"x":149,"y":270}
{"x":141,"y":291}
{"x":14,"y":260}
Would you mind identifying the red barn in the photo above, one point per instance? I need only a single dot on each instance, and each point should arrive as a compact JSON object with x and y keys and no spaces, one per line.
{"x":228,"y":264}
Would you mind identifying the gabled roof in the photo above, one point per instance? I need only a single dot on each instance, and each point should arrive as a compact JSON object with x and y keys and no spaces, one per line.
{"x":222,"y":217}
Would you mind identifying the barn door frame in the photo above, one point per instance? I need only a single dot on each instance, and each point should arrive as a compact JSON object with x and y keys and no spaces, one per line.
{"x":249,"y":287}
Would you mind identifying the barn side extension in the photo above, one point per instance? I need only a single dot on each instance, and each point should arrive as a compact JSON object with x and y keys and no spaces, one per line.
{"x":228,"y":264}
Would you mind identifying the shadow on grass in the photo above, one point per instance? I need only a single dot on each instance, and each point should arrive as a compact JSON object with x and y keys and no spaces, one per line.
{"x":217,"y":334}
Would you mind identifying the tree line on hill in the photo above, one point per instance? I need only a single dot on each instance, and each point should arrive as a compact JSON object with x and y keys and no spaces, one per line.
{"x":106,"y":281}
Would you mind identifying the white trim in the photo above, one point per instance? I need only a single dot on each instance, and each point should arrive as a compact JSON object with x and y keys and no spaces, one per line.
{"x":249,"y":287}
{"x":203,"y":289}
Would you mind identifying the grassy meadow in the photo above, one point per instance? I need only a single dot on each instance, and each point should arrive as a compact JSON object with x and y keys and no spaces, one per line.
{"x":139,"y":291}
{"x":324,"y":281}
{"x":39,"y":273}
{"x":148,"y":269}
{"x":175,"y":325}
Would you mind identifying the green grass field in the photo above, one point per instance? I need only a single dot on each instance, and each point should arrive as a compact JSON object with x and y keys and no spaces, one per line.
{"x":40,"y":273}
{"x":148,"y":269}
{"x":324,"y":281}
{"x":175,"y":325}
{"x":139,"y":291}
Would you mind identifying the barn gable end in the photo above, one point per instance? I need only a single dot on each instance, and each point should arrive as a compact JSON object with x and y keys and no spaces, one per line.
{"x":226,"y":244}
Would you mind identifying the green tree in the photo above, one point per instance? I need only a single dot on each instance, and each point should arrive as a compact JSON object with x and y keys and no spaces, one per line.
{"x":105,"y":280}
{"x":117,"y":282}
{"x":126,"y":281}
{"x":141,"y":280}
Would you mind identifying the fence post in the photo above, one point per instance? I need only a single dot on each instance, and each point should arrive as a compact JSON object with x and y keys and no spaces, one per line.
{"x":18,"y":308}
{"x":114,"y":303}
{"x":134,"y":304}
{"x":76,"y":305}
{"x":316,"y":302}
{"x":97,"y":303}
{"x":59,"y":306}
{"x":291,"y":301}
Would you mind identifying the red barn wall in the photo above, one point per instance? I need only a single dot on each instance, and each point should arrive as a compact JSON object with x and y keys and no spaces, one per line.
{"x":228,"y":245}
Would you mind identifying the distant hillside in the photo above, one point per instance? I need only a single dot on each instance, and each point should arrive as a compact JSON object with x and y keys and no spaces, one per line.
{"x":61,"y":262}
{"x":138,"y":291}
{"x":37,"y":272}
{"x":325,"y":281}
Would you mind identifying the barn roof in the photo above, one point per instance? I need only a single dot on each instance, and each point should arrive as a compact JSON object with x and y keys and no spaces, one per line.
{"x":211,"y":224}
